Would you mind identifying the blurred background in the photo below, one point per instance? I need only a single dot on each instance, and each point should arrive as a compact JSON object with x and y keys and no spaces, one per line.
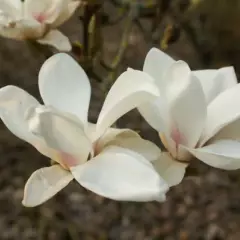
{"x":109,"y":36}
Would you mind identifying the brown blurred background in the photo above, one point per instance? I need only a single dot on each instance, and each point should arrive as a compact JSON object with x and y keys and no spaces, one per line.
{"x":204,"y":207}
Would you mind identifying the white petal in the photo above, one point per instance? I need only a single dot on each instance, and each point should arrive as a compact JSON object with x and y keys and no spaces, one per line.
{"x":44,"y":184}
{"x":61,"y":133}
{"x":156,"y":63}
{"x":123,"y":175}
{"x":56,"y":39}
{"x":130,"y":90}
{"x":14,"y":104}
{"x":66,"y":13}
{"x":109,"y":135}
{"x":113,"y":134}
{"x":11,"y":7}
{"x":35,"y":7}
{"x":223,"y":154}
{"x":230,"y":132}
{"x":222,"y":111}
{"x":44,"y":11}
{"x":186,"y":102}
{"x":21,"y":29}
{"x":170,"y":170}
{"x":147,"y":149}
{"x":17,"y":4}
{"x":10,"y":28}
{"x":61,"y":76}
{"x":155,"y":114}
{"x":216,"y":81}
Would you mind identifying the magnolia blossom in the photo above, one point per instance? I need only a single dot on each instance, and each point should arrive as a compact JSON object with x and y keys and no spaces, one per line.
{"x":36,"y":20}
{"x":111,"y":162}
{"x":197,"y":113}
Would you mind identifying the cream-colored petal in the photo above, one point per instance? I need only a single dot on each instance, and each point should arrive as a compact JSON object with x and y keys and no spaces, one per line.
{"x":14,"y":104}
{"x":171,"y":170}
{"x":122,"y":175}
{"x":146,"y":148}
{"x":186,"y":105}
{"x":130,"y":90}
{"x":221,"y":112}
{"x":155,"y":113}
{"x":62,"y":76}
{"x":113,"y":134}
{"x":44,"y":184}
{"x":58,"y":40}
{"x":61,"y":133}
{"x":223,"y":154}
{"x":216,"y":81}
{"x":44,"y":11}
{"x":230,"y":132}
{"x":11,"y":7}
{"x":66,"y":13}
{"x":156,"y":64}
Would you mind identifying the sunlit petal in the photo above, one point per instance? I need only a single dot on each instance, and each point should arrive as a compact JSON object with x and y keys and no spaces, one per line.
{"x":216,"y":81}
{"x":170,"y":170}
{"x":130,"y":90}
{"x":56,"y":39}
{"x":222,"y":111}
{"x":224,"y":154}
{"x":64,"y":85}
{"x":123,"y":175}
{"x":44,"y":184}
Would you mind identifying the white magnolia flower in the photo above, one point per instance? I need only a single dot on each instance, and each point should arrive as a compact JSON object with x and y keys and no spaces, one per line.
{"x":36,"y":20}
{"x":114,"y":163}
{"x":197,"y":113}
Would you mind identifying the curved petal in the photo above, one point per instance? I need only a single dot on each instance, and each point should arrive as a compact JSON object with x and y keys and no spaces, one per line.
{"x":66,"y":13}
{"x":186,"y":103}
{"x":146,"y":148}
{"x":34,"y":7}
{"x":170,"y":170}
{"x":44,"y":184}
{"x":44,"y":11}
{"x":155,"y":114}
{"x":113,"y":134}
{"x":17,"y":4}
{"x":216,"y":81}
{"x":224,"y":154}
{"x":123,"y":175}
{"x":14,"y":104}
{"x":156,"y":63}
{"x":11,"y":8}
{"x":230,"y":132}
{"x":12,"y":29}
{"x":56,"y":39}
{"x":130,"y":90}
{"x":60,"y":133}
{"x":222,"y":111}
{"x":61,"y":76}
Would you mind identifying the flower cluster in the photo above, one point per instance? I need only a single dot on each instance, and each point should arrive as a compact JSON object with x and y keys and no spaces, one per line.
{"x":196,"y":114}
{"x":37,"y":20}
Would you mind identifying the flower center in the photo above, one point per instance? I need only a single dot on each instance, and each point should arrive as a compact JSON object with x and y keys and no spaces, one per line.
{"x":172,"y":144}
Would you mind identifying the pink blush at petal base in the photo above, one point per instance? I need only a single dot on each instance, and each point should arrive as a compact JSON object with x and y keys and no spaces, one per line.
{"x":68,"y":160}
{"x":40,"y":17}
{"x":177,"y":137}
